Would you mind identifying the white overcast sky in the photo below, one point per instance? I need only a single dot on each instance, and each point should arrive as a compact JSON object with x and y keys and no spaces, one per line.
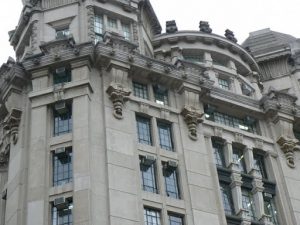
{"x":240,"y":16}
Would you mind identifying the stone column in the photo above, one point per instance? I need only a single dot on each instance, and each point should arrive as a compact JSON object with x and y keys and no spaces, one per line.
{"x":81,"y":166}
{"x":258,"y":197}
{"x":248,"y":154}
{"x":236,"y":188}
{"x":37,"y":200}
{"x":228,"y":153}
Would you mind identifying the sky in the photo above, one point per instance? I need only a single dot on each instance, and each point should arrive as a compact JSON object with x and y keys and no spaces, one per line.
{"x":240,"y":16}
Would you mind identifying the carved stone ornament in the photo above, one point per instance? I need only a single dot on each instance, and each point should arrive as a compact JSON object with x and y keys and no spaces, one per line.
{"x":192,"y":117}
{"x":118,"y":95}
{"x":288,"y":147}
{"x":204,"y":27}
{"x":171,"y":27}
{"x":11,"y":124}
{"x":230,"y":35}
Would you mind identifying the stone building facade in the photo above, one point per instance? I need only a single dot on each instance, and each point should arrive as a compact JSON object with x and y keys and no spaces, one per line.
{"x":106,"y":120}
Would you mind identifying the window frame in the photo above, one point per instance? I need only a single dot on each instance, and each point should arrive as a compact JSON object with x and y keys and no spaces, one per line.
{"x":153,"y":173}
{"x":224,"y":83}
{"x":157,"y":216}
{"x":149,"y":140}
{"x":165,"y":139}
{"x":161,"y":96}
{"x":248,"y":203}
{"x":57,"y":121}
{"x":55,"y":213}
{"x":175,"y":215}
{"x":219,"y":154}
{"x":140,"y":90}
{"x":66,"y":171}
{"x":228,"y":206}
{"x":240,"y":160}
{"x":175,"y":182}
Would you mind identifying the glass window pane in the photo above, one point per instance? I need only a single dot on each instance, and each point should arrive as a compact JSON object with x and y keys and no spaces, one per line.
{"x":140,"y":90}
{"x":63,"y":121}
{"x":227,"y":199}
{"x":219,"y":154}
{"x":62,"y":216}
{"x":151,"y":216}
{"x":62,"y":167}
{"x":175,"y":219}
{"x":171,"y":183}
{"x":148,"y":175}
{"x":224,"y":83}
{"x":126,"y":31}
{"x":238,"y":158}
{"x":165,"y":136}
{"x":144,"y":130}
{"x":160,"y":95}
{"x":248,"y":203}
{"x":270,"y":210}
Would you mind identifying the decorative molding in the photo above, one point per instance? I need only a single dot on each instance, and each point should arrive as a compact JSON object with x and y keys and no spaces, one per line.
{"x":288,"y":147}
{"x":118,"y":95}
{"x":239,"y":138}
{"x":192,"y":117}
{"x":218,"y":132}
{"x":90,"y":22}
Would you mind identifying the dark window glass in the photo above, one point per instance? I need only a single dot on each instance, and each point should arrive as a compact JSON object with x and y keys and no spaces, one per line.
{"x":151,"y":216}
{"x":144,"y":130}
{"x":62,"y":167}
{"x":63,"y":120}
{"x":227,"y":199}
{"x":165,"y":136}
{"x":62,"y":215}
{"x":62,"y":33}
{"x":61,"y":75}
{"x":248,"y":203}
{"x":219,"y":154}
{"x":259,"y":164}
{"x":161,"y":95}
{"x":175,"y":219}
{"x":239,"y":159}
{"x":148,"y":174}
{"x":231,"y":121}
{"x":270,"y":210}
{"x":140,"y":90}
{"x":171,"y":182}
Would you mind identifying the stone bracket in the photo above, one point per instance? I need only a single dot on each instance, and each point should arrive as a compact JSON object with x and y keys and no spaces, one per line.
{"x":288,"y":146}
{"x":118,"y":95}
{"x":192,"y":117}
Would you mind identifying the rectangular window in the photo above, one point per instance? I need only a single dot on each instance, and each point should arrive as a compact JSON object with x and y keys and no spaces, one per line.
{"x":62,"y":213}
{"x":270,"y":210}
{"x":61,"y":75}
{"x":98,"y":28}
{"x":175,"y":219}
{"x":126,"y":31}
{"x":227,"y":198}
{"x":62,"y":114}
{"x":259,"y":165}
{"x":161,"y":95}
{"x":219,"y":154}
{"x":224,"y":83}
{"x":144,"y":130}
{"x":140,"y":90}
{"x":248,"y":124}
{"x":248,"y":203}
{"x":112,"y":23}
{"x":171,"y":179}
{"x":62,"y":166}
{"x":148,"y":175}
{"x":152,"y":216}
{"x":239,"y":159}
{"x":62,"y":33}
{"x":165,"y":136}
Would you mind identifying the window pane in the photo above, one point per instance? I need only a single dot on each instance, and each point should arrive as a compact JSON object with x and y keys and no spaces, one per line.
{"x":62,"y":167}
{"x":165,"y":136}
{"x":98,"y":28}
{"x":151,"y":217}
{"x":140,"y":90}
{"x":160,"y":95}
{"x":63,"y":121}
{"x":62,"y":216}
{"x":227,"y":199}
{"x":248,"y":203}
{"x":238,"y":158}
{"x":219,"y":154}
{"x":259,"y":164}
{"x":144,"y":130}
{"x":224,"y":83}
{"x":175,"y":219}
{"x":171,"y":183}
{"x":271,"y":211}
{"x":126,"y":31}
{"x":61,"y":75}
{"x":148,"y":178}
{"x":112,"y":23}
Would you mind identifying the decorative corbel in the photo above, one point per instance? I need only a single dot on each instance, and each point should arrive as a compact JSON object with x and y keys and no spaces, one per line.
{"x":288,"y":146}
{"x":11,"y":124}
{"x":118,"y":95}
{"x":192,"y":117}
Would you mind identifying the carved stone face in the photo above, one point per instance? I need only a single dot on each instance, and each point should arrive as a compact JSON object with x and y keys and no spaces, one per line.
{"x":171,"y":26}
